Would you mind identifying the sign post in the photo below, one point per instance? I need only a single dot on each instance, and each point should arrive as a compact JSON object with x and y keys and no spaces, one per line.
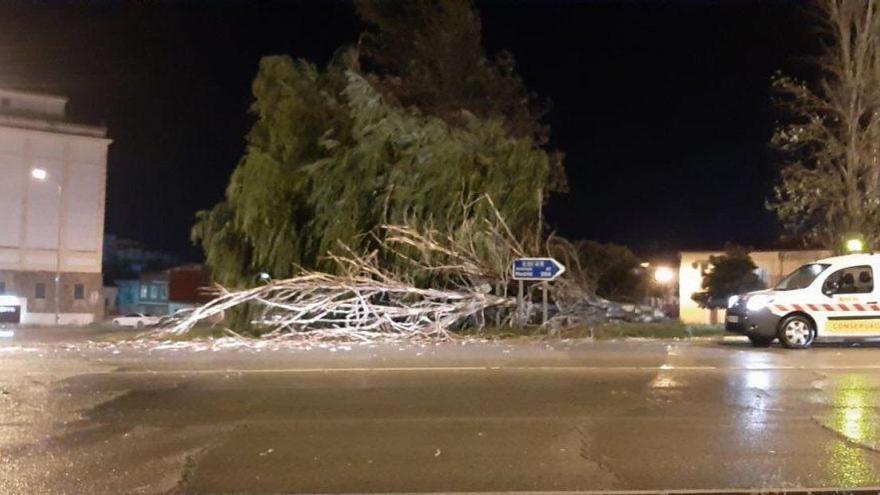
{"x":538,"y":269}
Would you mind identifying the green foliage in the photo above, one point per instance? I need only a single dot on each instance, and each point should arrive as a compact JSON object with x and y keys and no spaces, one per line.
{"x":610,"y":270}
{"x":615,"y":270}
{"x":730,"y":274}
{"x":328,"y":160}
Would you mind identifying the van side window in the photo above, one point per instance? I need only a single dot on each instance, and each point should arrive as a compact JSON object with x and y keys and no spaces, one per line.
{"x":853,"y":280}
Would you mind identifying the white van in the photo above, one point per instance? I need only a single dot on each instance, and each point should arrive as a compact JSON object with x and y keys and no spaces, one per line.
{"x":830,"y":298}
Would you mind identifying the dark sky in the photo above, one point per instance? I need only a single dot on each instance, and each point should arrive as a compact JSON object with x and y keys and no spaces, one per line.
{"x":662,"y":107}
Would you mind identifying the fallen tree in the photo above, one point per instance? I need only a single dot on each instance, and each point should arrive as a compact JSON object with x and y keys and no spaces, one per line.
{"x":421,"y":282}
{"x":322,"y":306}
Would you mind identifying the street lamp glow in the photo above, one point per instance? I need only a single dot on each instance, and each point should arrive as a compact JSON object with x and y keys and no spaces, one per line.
{"x":854,"y":245}
{"x":39,"y":174}
{"x":663,"y":275}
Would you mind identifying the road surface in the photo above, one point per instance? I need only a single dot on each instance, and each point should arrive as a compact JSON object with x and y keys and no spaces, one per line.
{"x":85,"y":417}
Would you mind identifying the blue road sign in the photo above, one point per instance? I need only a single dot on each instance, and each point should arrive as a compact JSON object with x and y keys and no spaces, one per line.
{"x":537,"y":269}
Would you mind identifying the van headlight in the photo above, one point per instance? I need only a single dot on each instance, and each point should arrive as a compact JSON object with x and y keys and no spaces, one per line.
{"x":731,"y":302}
{"x":758,"y":301}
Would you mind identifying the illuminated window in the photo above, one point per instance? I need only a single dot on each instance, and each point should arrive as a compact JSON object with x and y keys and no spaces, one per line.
{"x":154,"y":292}
{"x":145,"y":291}
{"x":79,"y":291}
{"x":40,"y":291}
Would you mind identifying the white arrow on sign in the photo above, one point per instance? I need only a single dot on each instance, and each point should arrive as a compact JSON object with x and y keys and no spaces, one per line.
{"x":545,"y":269}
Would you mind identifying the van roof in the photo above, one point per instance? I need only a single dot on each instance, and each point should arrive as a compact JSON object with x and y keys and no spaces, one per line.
{"x":849,"y":258}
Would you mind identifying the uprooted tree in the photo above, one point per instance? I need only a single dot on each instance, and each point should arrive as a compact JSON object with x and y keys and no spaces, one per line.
{"x":328,"y":161}
{"x":382,"y":194}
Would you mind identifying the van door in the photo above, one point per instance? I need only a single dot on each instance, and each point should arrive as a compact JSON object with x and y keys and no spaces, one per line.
{"x":852,"y":305}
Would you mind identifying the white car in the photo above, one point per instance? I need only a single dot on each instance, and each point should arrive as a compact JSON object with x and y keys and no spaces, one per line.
{"x":830,"y":298}
{"x":135,"y":320}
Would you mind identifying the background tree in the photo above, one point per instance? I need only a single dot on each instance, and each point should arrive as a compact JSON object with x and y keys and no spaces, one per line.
{"x":730,"y":274}
{"x":428,"y":54}
{"x":830,"y":180}
{"x":614,"y":270}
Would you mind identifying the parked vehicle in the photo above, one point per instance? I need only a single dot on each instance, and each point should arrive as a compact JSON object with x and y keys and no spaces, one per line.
{"x":831,"y":298}
{"x":135,"y":320}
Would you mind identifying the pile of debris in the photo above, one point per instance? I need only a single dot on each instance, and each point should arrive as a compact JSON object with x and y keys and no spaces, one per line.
{"x":591,"y":310}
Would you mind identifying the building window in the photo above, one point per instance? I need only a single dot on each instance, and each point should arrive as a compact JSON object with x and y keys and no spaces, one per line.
{"x":2,"y":288}
{"x":163,"y":292}
{"x":144,"y":291}
{"x":79,"y":291}
{"x":40,"y":292}
{"x":154,"y":292}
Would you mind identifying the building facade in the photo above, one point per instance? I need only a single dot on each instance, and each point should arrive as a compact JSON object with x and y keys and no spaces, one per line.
{"x":163,"y":293}
{"x":52,"y":196}
{"x":772,"y":266}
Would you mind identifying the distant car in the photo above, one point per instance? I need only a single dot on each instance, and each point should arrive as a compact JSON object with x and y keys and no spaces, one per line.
{"x":135,"y":320}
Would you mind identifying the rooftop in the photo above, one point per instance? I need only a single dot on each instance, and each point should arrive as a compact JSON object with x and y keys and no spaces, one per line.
{"x":43,"y":112}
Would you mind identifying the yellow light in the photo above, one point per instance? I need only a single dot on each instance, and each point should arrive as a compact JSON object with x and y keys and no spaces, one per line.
{"x":39,"y":173}
{"x":854,"y":245}
{"x":663,"y":275}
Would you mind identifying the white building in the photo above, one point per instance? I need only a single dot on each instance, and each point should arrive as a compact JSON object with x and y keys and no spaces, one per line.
{"x":52,"y":192}
{"x":772,"y":266}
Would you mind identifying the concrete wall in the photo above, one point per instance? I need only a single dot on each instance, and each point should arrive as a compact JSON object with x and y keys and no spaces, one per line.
{"x":34,"y":310}
{"x":772,"y":267}
{"x":35,"y":104}
{"x":32,"y":209}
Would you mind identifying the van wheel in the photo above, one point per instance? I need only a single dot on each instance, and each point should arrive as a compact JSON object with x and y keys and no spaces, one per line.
{"x":759,"y":341}
{"x":797,"y":332}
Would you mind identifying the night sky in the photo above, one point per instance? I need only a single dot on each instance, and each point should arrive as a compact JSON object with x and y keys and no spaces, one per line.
{"x":661,"y":107}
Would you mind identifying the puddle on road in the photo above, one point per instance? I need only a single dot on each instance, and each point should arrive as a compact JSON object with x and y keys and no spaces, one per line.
{"x":854,"y":418}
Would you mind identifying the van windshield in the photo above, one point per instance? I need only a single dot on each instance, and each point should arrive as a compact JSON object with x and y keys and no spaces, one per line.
{"x":802,"y":277}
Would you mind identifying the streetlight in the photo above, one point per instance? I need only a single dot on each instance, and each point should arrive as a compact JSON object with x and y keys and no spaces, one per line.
{"x":42,"y":175}
{"x":855,"y":245}
{"x":663,"y":275}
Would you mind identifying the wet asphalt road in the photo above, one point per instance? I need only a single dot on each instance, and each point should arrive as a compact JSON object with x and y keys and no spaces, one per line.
{"x":80,"y":417}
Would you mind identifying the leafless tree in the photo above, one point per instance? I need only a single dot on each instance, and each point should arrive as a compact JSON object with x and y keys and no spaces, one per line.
{"x":830,"y":180}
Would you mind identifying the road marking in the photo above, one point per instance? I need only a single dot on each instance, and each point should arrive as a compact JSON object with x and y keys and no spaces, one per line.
{"x":431,"y":369}
{"x":708,"y":491}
